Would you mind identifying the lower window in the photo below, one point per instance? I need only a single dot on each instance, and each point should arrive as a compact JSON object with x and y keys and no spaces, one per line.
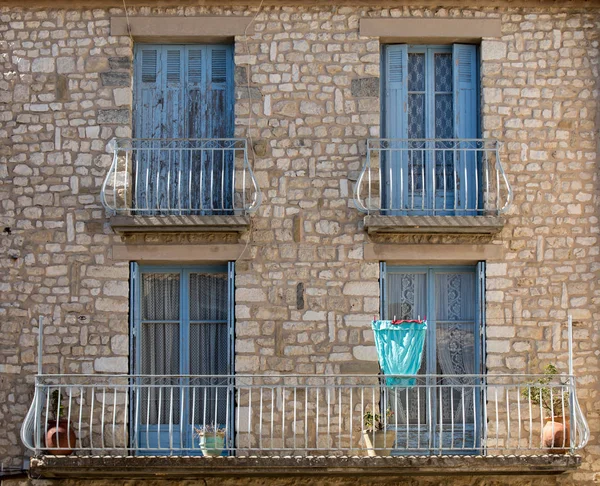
{"x":443,"y":410}
{"x":182,"y":335}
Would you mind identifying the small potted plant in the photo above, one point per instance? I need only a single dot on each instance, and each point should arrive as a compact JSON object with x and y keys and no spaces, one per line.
{"x":212,"y":439}
{"x":60,"y":437}
{"x":377,"y":440}
{"x":556,"y":434}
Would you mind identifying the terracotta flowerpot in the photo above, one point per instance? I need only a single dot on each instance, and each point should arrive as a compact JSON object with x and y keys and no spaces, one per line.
{"x":557,"y":435}
{"x":383,"y":443}
{"x":60,"y":440}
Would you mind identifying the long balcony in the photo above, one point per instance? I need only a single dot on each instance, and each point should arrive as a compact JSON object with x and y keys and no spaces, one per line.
{"x":492,"y":423}
{"x":433,"y":186}
{"x":180,"y":185}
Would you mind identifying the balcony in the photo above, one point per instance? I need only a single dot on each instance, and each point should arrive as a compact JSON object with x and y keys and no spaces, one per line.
{"x":297,"y":424}
{"x":433,"y":186}
{"x":180,"y":185}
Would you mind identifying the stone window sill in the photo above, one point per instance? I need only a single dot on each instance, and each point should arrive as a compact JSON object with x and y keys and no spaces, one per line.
{"x":179,"y":224}
{"x":473,"y":225}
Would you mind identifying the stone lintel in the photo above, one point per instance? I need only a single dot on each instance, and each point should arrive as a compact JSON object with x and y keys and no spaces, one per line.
{"x":165,"y":467}
{"x":178,"y":253}
{"x":433,"y":253}
{"x":466,"y":225}
{"x":179,"y":224}
{"x":421,"y":30}
{"x":209,"y":28}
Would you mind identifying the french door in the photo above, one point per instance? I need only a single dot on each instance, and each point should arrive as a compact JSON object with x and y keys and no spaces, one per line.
{"x":183,"y":93}
{"x":182,"y":325}
{"x":430,"y":116}
{"x":443,"y":410}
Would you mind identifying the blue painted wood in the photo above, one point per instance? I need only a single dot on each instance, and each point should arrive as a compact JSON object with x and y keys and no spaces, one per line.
{"x":184,"y":91}
{"x":395,"y":109}
{"x":466,"y":112}
{"x":184,"y":437}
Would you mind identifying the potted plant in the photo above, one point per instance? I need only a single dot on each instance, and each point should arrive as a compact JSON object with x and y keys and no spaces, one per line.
{"x":212,"y":439}
{"x":60,"y":436}
{"x":377,"y":440}
{"x":556,"y":434}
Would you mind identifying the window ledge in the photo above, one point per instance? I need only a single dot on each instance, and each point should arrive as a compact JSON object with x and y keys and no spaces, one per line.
{"x":479,"y":225}
{"x":179,"y":224}
{"x":175,"y":466}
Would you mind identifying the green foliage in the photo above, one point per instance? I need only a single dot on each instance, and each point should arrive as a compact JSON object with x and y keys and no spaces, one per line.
{"x":56,"y":408}
{"x":373,"y":421}
{"x":549,"y":395}
{"x":211,"y":430}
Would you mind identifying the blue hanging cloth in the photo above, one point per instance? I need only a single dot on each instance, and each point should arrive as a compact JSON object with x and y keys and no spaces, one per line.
{"x":400,"y":348}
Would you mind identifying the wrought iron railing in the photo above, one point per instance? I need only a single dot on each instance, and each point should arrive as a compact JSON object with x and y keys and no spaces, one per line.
{"x":180,"y":177}
{"x":303,"y":415}
{"x":433,"y":177}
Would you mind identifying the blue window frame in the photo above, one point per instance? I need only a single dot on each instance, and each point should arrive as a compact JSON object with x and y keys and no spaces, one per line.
{"x":452,"y":299}
{"x":430,"y":95}
{"x":182,"y":324}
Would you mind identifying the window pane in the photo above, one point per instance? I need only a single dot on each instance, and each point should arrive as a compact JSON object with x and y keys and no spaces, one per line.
{"x":160,"y":296}
{"x":208,"y":297}
{"x":416,"y":72}
{"x":443,"y":71}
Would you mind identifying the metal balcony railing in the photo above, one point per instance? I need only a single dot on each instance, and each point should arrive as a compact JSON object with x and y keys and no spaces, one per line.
{"x":433,"y":177}
{"x":180,"y":176}
{"x":303,"y":415}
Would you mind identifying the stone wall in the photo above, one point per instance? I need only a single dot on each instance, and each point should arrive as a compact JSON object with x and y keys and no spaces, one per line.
{"x":304,"y":291}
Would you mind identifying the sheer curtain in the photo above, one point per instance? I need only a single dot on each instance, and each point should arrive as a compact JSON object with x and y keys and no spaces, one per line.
{"x":160,"y":343}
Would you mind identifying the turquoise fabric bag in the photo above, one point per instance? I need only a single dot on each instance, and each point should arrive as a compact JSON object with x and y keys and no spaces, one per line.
{"x":400,"y":349}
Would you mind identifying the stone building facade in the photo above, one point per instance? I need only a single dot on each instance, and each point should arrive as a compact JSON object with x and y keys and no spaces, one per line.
{"x":306,"y":97}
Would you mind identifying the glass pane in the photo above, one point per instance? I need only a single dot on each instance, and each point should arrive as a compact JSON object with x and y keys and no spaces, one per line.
{"x":444,"y":159}
{"x":455,"y":343}
{"x":208,"y":297}
{"x":416,"y":116}
{"x":160,"y":356}
{"x":416,"y":72}
{"x":160,"y":297}
{"x":444,"y":116}
{"x":443,"y":71}
{"x":209,"y":356}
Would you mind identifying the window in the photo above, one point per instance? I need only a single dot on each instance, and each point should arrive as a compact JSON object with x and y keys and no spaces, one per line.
{"x":431,"y":115}
{"x":183,"y":103}
{"x":182,"y":324}
{"x":451,"y":298}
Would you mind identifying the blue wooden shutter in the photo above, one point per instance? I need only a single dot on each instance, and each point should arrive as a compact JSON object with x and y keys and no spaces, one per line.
{"x":395,"y":123}
{"x":382,"y":290}
{"x":480,"y":317}
{"x":220,"y":122}
{"x":173,"y":62}
{"x":466,"y":113}
{"x":149,"y":96}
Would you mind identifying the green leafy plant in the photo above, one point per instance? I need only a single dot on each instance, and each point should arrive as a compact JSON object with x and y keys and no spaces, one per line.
{"x":211,"y":431}
{"x":549,"y":396}
{"x":56,"y":408}
{"x":373,"y":421}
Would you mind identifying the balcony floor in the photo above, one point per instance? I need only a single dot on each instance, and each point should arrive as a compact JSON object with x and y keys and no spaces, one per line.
{"x":480,"y":225}
{"x":180,"y":223}
{"x":182,"y":467}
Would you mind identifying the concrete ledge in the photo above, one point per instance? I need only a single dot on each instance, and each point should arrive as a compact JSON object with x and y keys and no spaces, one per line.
{"x":181,"y":28}
{"x":177,"y":253}
{"x":181,"y":467}
{"x":186,"y":224}
{"x":416,"y":30}
{"x":471,"y":225}
{"x":433,"y":253}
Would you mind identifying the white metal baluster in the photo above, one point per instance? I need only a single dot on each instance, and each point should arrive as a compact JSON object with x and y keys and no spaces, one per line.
{"x":79,"y":434}
{"x":423,"y":175}
{"x":237,"y":421}
{"x":530,"y":418}
{"x":102,"y":417}
{"x":283,"y":418}
{"x":362,"y":409}
{"x":328,"y":417}
{"x":69,"y":418}
{"x":552,"y":414}
{"x":244,"y":169}
{"x":475,"y":418}
{"x":216,"y":421}
{"x":464,"y":425}
{"x":193,"y":422}
{"x":260,"y":420}
{"x":212,"y":179}
{"x":407,"y":414}
{"x":158,"y":180}
{"x":507,"y":418}
{"x":429,"y":417}
{"x":476,"y":186}
{"x":227,"y":432}
{"x":169,"y":182}
{"x":222,"y":151}
{"x":466,"y":180}
{"x":317,"y":420}
{"x":418,"y":390}
{"x":351,"y":419}
{"x":497,"y":184}
{"x":295,"y":421}
{"x":562,"y":402}
{"x":158,"y":445}
{"x":114,"y":421}
{"x":412,"y":179}
{"x":451,"y":392}
{"x":181,"y":405}
{"x":372,"y":409}
{"x":434,"y":169}
{"x":519,"y":421}
{"x":401,"y":172}
{"x":340,"y":417}
{"x":541,"y":420}
{"x":170,"y":418}
{"x":125,"y":417}
{"x":306,"y":417}
{"x":137,"y":418}
{"x":92,"y":417}
{"x":233,"y":178}
{"x":204,"y":410}
{"x":455,"y":160}
{"x":272,"y":412}
{"x":497,"y":416}
{"x":441,"y":390}
{"x":445,"y":154}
